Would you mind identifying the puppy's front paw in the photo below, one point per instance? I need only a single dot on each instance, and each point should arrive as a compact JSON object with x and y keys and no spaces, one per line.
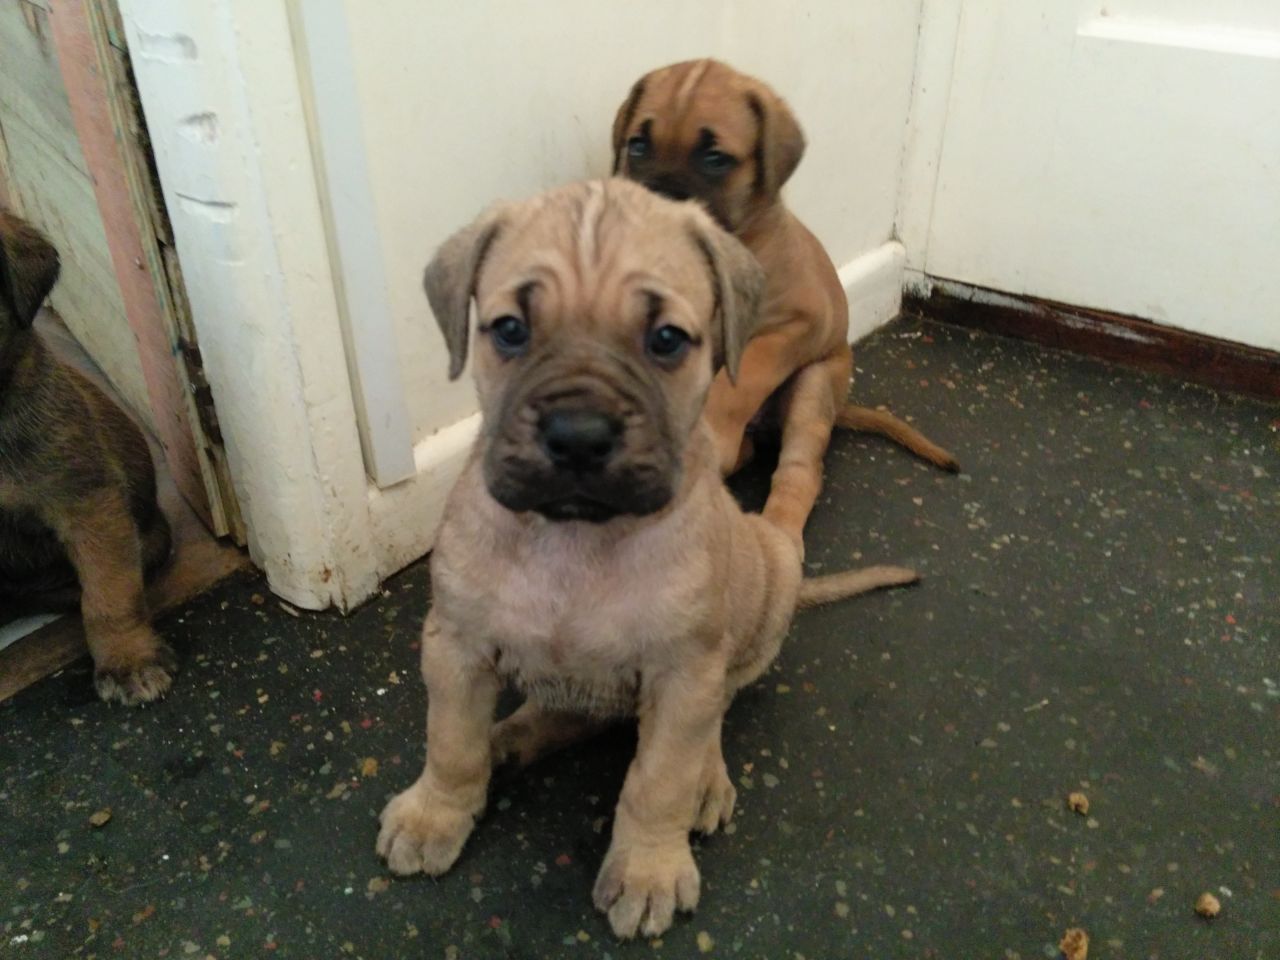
{"x":136,"y":679}
{"x":640,"y":888}
{"x":421,"y":834}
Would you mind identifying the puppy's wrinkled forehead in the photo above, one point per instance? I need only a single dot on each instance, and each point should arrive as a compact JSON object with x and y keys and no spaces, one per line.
{"x":583,"y":254}
{"x":608,"y":256}
{"x":700,"y":102}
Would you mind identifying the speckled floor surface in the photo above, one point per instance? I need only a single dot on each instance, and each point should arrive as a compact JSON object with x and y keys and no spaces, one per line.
{"x":1099,"y":614}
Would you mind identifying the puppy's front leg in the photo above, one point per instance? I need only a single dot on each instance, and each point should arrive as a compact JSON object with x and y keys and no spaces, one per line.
{"x":649,"y":869}
{"x":130,"y":663}
{"x":425,"y":827}
{"x":767,"y":362}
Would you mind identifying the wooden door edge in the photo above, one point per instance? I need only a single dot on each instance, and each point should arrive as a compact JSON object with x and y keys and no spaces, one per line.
{"x":1124,"y":340}
{"x":112,"y":135}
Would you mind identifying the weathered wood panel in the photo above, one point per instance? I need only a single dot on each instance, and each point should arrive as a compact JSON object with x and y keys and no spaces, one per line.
{"x":50,"y":185}
{"x":97,"y":85}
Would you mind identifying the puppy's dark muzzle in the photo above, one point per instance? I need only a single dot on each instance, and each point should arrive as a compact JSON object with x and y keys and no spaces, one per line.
{"x":675,"y":186}
{"x":582,"y":433}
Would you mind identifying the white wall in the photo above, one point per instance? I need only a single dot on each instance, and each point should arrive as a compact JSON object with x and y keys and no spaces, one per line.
{"x":1117,"y":154}
{"x":464,"y":104}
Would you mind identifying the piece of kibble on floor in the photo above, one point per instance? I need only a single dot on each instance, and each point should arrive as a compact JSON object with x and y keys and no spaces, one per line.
{"x":1074,"y":945}
{"x":1208,"y":906}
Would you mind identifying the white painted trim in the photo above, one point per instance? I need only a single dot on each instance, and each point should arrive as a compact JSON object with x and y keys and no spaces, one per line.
{"x":873,"y":284}
{"x":324,"y":47}
{"x":219,"y":87}
{"x":1244,"y":43}
{"x":926,"y":125}
{"x":14,"y":630}
{"x":405,"y":518}
{"x":917,"y":283}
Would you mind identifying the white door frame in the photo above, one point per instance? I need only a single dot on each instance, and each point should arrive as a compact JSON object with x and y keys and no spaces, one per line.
{"x":323,"y":46}
{"x":926,"y":126}
{"x":219,"y":86}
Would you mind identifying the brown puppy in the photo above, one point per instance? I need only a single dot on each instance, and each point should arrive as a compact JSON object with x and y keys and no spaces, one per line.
{"x":79,"y":522}
{"x":701,"y":130}
{"x":590,"y":552}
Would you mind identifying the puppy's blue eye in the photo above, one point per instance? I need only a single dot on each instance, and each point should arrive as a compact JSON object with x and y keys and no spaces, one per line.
{"x":637,"y":147}
{"x":510,"y":335}
{"x":667,"y":342}
{"x":717,"y":162}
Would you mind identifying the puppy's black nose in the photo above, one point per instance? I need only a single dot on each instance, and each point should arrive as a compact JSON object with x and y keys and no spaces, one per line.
{"x":579,"y":440}
{"x":668,"y":186}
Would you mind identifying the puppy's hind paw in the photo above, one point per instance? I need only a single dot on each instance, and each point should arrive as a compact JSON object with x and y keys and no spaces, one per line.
{"x":718,"y":798}
{"x":142,"y":681}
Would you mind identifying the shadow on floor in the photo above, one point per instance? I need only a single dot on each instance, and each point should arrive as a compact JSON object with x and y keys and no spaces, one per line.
{"x":1098,"y":614}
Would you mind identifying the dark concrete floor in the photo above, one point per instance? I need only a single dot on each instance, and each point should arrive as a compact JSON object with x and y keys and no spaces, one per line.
{"x":1099,"y":614}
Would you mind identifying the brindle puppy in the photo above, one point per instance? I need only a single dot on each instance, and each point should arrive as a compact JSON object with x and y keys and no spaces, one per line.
{"x":79,"y":521}
{"x":701,"y":130}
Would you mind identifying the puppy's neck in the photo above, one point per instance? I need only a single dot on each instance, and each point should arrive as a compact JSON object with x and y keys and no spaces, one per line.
{"x":22,"y":356}
{"x":763,"y":221}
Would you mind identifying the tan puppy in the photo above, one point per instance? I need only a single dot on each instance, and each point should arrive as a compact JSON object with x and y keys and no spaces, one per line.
{"x":702,"y":130}
{"x":590,"y":552}
{"x":79,"y":521}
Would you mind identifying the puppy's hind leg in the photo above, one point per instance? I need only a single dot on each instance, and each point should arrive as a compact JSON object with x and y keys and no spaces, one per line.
{"x":157,"y":545}
{"x":717,"y":791}
{"x":130,"y":662}
{"x":532,"y":732}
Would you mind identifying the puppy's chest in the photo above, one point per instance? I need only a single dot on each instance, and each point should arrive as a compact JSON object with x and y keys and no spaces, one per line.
{"x":572,"y":631}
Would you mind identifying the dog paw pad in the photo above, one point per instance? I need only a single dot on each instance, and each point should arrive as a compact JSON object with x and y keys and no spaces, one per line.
{"x":138,"y":683}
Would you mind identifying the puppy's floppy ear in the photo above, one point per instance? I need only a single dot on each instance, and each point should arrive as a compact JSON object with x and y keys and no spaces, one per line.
{"x":622,"y":121}
{"x":28,"y":269}
{"x":450,"y":282}
{"x":738,"y":282}
{"x":779,"y":142}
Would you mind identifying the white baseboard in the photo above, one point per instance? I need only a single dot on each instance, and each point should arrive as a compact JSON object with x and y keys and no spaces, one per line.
{"x":14,"y":630}
{"x":917,"y":282}
{"x":403,"y":518}
{"x":873,"y":284}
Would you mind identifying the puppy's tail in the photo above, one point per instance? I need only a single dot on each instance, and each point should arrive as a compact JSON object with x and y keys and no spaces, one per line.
{"x":815,"y":591}
{"x":853,"y":417}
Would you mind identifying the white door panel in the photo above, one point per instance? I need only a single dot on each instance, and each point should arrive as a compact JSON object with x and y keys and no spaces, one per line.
{"x":1124,"y":156}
